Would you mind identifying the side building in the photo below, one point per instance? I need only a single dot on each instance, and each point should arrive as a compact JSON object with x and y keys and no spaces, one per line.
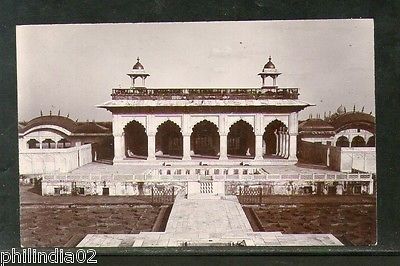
{"x":57,"y":144}
{"x":344,"y":141}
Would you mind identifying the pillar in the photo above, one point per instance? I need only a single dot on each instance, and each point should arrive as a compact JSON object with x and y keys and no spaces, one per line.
{"x":277,"y":142}
{"x":186,"y":147}
{"x":223,"y":147}
{"x":186,"y":132}
{"x":293,"y":132}
{"x":223,"y":137}
{"x":371,"y":188}
{"x":285,"y":144}
{"x":281,"y":143}
{"x":151,"y":147}
{"x":259,"y":148}
{"x":292,"y":147}
{"x":119,"y":147}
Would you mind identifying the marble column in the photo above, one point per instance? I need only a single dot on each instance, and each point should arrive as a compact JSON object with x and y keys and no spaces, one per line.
{"x":151,"y":147}
{"x":223,"y":137}
{"x":281,"y":142}
{"x":371,"y":188}
{"x":293,"y":131}
{"x":186,"y":132}
{"x":287,"y":140}
{"x":223,"y":147}
{"x":186,"y":147}
{"x":119,"y":147}
{"x":258,"y":148}
{"x":284,"y":146}
{"x":276,"y":142}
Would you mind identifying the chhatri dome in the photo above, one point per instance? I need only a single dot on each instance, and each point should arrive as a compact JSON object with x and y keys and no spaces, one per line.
{"x":138,"y":65}
{"x":269,"y":65}
{"x":138,"y":72}
{"x":269,"y":70}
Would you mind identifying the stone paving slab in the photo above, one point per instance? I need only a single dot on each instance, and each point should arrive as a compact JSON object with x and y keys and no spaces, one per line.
{"x":208,"y":215}
{"x":176,"y":240}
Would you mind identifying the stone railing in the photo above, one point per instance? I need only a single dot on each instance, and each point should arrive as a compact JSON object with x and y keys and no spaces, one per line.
{"x":271,"y":92}
{"x":315,"y":177}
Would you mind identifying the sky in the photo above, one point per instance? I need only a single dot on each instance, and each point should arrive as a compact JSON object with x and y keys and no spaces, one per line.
{"x":73,"y":67}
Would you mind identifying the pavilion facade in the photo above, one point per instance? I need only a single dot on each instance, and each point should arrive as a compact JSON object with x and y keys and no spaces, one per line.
{"x":220,"y":124}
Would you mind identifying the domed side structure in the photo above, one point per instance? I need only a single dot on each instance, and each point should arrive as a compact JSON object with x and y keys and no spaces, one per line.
{"x":138,"y":71}
{"x":269,"y":70}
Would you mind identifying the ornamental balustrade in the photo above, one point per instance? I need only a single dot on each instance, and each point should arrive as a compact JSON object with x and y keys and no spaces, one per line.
{"x":101,"y":178}
{"x":271,"y":92}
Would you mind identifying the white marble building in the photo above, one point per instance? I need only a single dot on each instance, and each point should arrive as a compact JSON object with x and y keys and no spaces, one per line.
{"x":220,"y":124}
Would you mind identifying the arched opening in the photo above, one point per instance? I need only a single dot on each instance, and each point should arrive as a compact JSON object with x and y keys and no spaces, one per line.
{"x":63,"y":143}
{"x":48,"y":144}
{"x":204,"y":140}
{"x":269,"y":137}
{"x":169,"y":140}
{"x":371,"y":141}
{"x":33,"y":144}
{"x":135,"y":140}
{"x":241,"y":139}
{"x":358,"y":141}
{"x":342,"y":142}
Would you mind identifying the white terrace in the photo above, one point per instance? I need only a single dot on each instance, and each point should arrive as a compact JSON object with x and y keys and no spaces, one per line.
{"x":120,"y":173}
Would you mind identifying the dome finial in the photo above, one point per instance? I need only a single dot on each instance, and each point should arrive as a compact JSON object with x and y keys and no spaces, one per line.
{"x":138,"y":59}
{"x":269,"y":58}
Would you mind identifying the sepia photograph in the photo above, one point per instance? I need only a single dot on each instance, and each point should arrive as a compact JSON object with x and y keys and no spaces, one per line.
{"x":197,"y":134}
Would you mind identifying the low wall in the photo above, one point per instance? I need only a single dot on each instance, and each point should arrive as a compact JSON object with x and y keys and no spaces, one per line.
{"x":42,"y":161}
{"x":110,"y":188}
{"x":341,"y":159}
{"x":303,"y":187}
{"x":315,"y":153}
{"x":361,"y":159}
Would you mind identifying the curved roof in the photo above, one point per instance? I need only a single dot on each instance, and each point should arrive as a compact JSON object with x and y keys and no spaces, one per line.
{"x":353,"y":120}
{"x":316,"y":126}
{"x":54,"y":120}
{"x":315,"y":123}
{"x":90,"y":127}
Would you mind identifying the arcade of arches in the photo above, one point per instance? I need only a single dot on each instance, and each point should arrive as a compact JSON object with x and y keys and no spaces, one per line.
{"x":357,"y":141}
{"x":48,"y":144}
{"x":205,"y":141}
